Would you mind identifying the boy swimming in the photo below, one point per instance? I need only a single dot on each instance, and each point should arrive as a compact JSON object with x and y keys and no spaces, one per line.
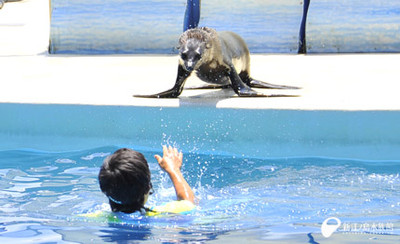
{"x":125,"y":179}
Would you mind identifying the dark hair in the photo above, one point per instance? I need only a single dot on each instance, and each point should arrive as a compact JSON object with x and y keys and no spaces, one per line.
{"x":124,"y":178}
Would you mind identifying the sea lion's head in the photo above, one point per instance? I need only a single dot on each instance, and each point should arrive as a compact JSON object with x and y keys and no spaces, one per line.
{"x":193,"y":45}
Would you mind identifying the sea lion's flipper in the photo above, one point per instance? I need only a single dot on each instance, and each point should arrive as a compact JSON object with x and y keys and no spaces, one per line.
{"x":208,"y":87}
{"x":175,"y":91}
{"x":270,"y":95}
{"x":261,"y":84}
{"x":172,"y":93}
{"x":240,"y":87}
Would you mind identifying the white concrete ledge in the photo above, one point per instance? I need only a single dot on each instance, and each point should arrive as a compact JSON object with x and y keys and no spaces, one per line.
{"x":24,"y":28}
{"x":329,"y":82}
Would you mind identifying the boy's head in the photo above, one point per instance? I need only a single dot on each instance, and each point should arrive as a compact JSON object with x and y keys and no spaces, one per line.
{"x":125,"y":179}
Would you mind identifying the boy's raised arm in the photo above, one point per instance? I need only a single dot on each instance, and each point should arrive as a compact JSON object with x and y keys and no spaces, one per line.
{"x":171,"y":162}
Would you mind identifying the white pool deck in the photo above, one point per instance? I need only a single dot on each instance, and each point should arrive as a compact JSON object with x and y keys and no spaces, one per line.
{"x":329,"y":82}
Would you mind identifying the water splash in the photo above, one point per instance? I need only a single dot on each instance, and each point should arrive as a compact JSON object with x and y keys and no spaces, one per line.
{"x":234,"y":192}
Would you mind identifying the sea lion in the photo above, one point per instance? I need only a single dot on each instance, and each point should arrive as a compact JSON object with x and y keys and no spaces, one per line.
{"x":218,"y":58}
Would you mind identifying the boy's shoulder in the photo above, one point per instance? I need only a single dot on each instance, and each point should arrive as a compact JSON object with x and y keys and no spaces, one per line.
{"x":175,"y":207}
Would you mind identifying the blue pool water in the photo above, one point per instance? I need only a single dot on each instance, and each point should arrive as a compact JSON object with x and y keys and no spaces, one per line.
{"x":154,"y":26}
{"x":267,"y":26}
{"x":50,"y":156}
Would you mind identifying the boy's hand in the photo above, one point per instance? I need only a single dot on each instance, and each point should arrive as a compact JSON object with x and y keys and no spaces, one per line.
{"x":171,"y":160}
